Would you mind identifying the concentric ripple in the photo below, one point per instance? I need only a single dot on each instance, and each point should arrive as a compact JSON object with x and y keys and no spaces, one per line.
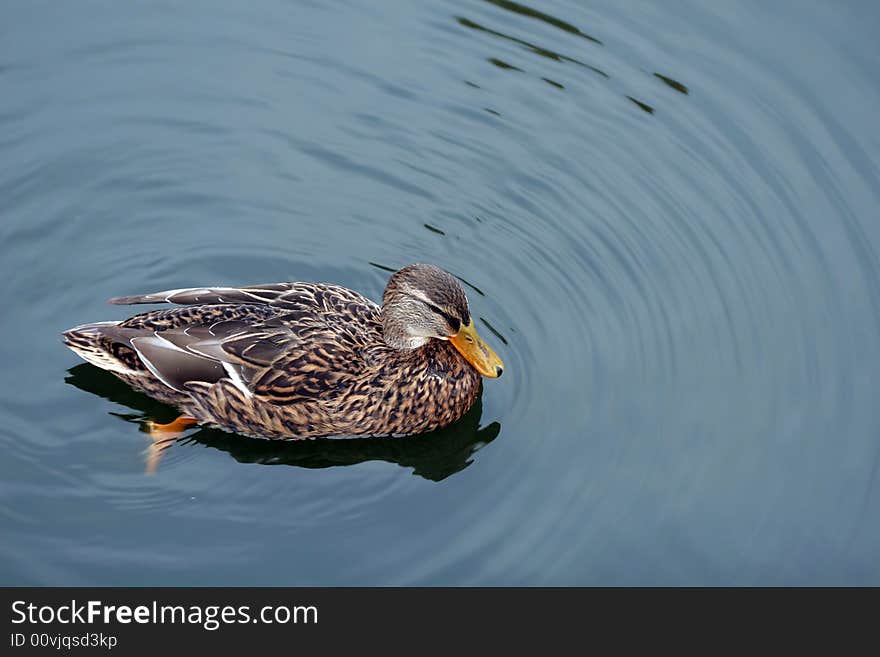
{"x":664,"y":218}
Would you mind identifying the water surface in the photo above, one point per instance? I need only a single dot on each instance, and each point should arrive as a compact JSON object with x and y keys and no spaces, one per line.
{"x":665,"y":214}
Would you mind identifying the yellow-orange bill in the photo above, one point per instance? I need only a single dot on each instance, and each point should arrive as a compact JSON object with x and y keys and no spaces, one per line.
{"x":477,"y":352}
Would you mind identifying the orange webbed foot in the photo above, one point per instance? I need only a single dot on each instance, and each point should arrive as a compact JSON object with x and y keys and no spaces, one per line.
{"x":162,"y":436}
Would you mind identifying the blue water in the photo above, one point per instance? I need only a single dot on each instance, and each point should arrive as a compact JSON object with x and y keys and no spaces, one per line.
{"x":666,"y":213}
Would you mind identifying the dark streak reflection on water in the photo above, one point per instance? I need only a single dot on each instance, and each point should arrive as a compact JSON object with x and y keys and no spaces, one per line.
{"x":543,"y":52}
{"x":675,"y":84}
{"x":523,"y":10}
{"x":551,"y":54}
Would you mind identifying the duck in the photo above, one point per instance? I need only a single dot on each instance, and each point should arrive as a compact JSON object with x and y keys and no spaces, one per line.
{"x":298,"y":360}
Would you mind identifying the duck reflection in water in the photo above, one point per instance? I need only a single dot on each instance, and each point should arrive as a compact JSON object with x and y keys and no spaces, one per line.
{"x":434,"y":455}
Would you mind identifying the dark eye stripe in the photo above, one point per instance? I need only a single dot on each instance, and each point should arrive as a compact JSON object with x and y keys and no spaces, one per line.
{"x":454,"y":322}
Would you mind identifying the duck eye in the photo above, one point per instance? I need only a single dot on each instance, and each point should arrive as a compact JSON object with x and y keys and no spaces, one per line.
{"x":454,"y":322}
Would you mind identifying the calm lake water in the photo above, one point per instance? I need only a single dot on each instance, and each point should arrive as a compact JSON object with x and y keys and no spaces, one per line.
{"x":666,"y":214}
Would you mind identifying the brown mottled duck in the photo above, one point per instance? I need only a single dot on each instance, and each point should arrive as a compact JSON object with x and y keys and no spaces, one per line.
{"x":301,"y":360}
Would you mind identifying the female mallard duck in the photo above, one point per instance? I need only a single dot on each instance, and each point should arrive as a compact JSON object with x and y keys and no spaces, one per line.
{"x":300,"y":360}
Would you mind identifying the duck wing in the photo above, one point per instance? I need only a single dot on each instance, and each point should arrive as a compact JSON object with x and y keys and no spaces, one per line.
{"x":266,"y":293}
{"x":280,"y":342}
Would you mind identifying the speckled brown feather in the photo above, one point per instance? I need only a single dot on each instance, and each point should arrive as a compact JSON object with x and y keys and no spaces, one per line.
{"x":300,"y":360}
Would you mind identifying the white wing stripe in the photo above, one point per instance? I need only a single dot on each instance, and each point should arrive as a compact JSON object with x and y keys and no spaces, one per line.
{"x":237,"y":381}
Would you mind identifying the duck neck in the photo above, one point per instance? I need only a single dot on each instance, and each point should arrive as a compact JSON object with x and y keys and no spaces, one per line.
{"x":395,"y":333}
